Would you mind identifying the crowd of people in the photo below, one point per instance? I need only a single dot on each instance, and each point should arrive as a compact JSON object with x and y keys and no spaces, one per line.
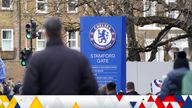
{"x":10,"y":88}
{"x":110,"y":89}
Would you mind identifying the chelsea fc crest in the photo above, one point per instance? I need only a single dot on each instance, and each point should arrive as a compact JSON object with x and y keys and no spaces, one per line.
{"x":102,"y":36}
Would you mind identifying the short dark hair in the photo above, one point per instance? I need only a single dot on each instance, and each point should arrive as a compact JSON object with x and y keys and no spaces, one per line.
{"x":4,"y":83}
{"x":53,"y":27}
{"x":111,"y":86}
{"x":181,"y":60}
{"x":130,"y":86}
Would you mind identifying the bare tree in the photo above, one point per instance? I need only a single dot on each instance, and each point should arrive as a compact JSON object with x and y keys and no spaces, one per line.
{"x":133,"y":10}
{"x":128,"y":7}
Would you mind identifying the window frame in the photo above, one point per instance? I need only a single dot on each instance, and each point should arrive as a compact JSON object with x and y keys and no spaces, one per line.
{"x":153,"y":5}
{"x":12,"y":40}
{"x":7,"y":8}
{"x":58,"y":6}
{"x":40,"y":40}
{"x":102,"y":10}
{"x":76,"y":9}
{"x":176,"y":13}
{"x":76,"y":40}
{"x":46,"y":6}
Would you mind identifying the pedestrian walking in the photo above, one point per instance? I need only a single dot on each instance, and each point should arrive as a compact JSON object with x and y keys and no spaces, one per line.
{"x":58,"y":70}
{"x":172,"y":84}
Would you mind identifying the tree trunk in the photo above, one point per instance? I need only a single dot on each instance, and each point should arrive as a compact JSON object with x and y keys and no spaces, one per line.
{"x":188,"y":18}
{"x":190,"y":48}
{"x":132,"y":43}
{"x":153,"y":55}
{"x":189,"y":21}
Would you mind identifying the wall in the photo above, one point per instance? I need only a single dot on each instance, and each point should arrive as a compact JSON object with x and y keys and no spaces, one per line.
{"x":143,"y":73}
{"x":14,"y":70}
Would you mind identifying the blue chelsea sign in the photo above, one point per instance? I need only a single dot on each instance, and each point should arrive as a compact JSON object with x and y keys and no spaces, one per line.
{"x":103,"y":42}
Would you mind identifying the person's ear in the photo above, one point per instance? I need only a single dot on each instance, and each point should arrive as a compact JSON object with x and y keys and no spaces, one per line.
{"x":46,"y":35}
{"x":62,"y":34}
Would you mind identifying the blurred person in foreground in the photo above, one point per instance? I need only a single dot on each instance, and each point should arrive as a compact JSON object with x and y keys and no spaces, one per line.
{"x":2,"y":71}
{"x":131,"y":89}
{"x":6,"y":89}
{"x":1,"y":89}
{"x":111,"y":88}
{"x":17,"y":87}
{"x":58,"y":70}
{"x":186,"y":84}
{"x":172,"y":84}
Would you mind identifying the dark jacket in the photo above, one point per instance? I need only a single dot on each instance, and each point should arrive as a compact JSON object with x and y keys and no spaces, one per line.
{"x":58,"y":70}
{"x":172,"y":84}
{"x":112,"y":93}
{"x":132,"y":93}
{"x":6,"y":90}
{"x":16,"y":88}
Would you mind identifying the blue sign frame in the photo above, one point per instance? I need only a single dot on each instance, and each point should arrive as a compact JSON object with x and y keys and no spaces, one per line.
{"x":103,"y":42}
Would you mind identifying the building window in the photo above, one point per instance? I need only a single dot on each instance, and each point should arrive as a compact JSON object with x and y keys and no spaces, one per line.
{"x":40,"y":42}
{"x":41,"y":6}
{"x":99,"y":6}
{"x":171,"y":0}
{"x":6,"y":4}
{"x":72,"y":6}
{"x":72,"y":39}
{"x":149,"y":8}
{"x":7,"y":39}
{"x":58,"y":5}
{"x":172,"y":14}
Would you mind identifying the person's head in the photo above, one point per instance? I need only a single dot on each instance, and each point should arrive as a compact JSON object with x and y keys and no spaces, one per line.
{"x":4,"y":83}
{"x":181,"y":61}
{"x":53,"y":27}
{"x":10,"y":79}
{"x":111,"y":86}
{"x":130,"y":86}
{"x":19,"y":82}
{"x":103,"y":90}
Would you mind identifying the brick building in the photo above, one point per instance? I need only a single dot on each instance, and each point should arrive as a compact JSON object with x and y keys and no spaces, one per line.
{"x":12,"y":19}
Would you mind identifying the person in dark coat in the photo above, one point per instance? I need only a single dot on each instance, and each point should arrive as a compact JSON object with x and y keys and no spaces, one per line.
{"x":6,"y":89}
{"x":58,"y":70}
{"x":16,"y":88}
{"x":172,"y":84}
{"x":131,"y":89}
{"x":111,"y":88}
